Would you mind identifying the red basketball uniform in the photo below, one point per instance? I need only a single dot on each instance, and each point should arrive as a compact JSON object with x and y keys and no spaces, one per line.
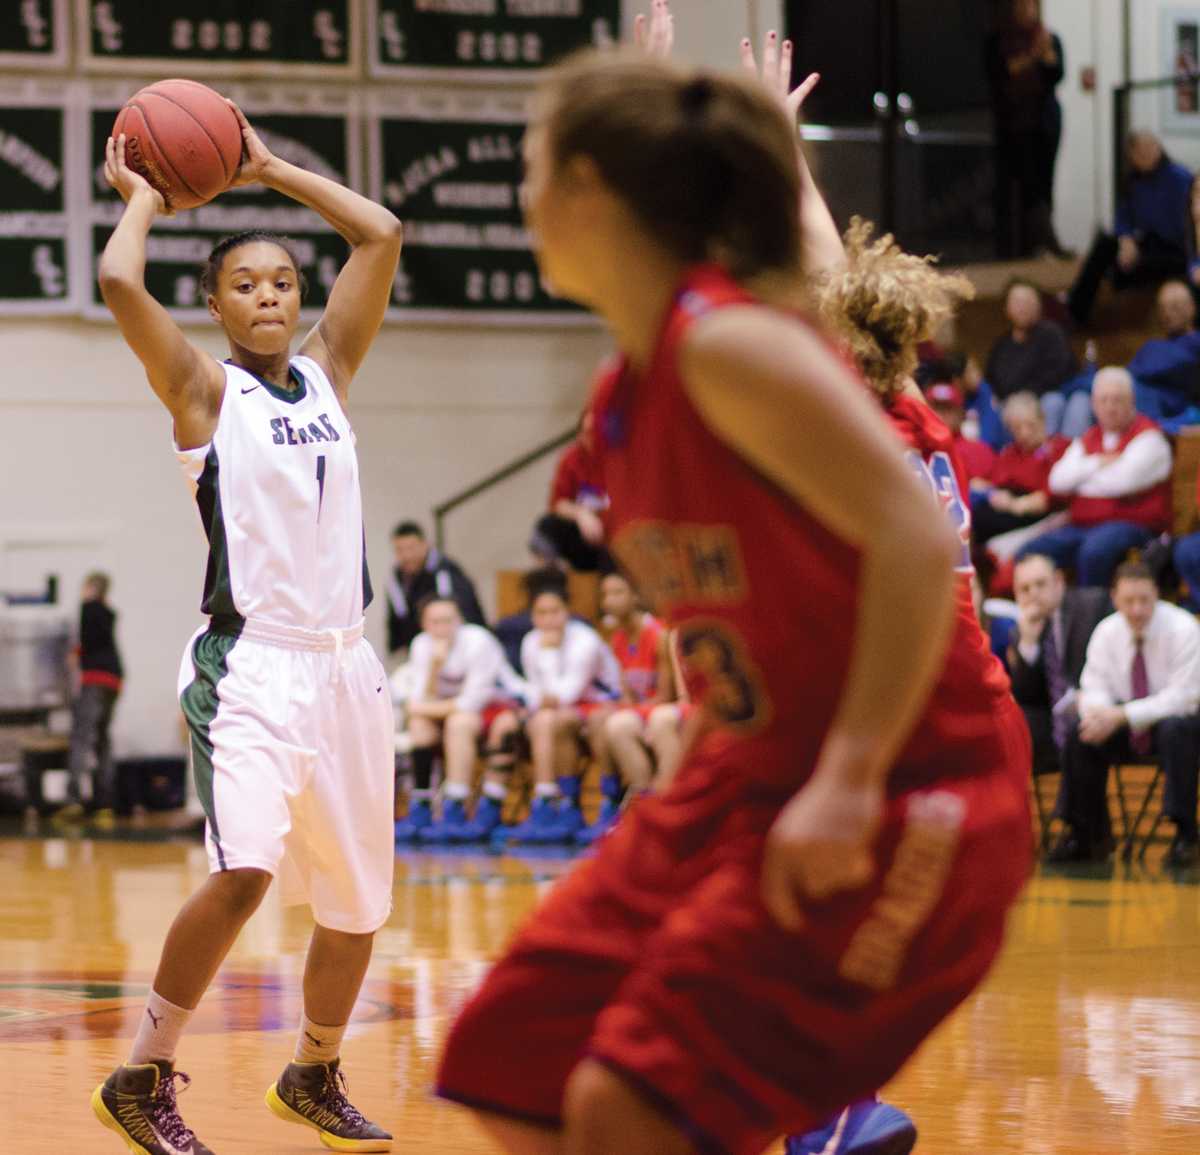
{"x":657,"y":957}
{"x":639,"y":661}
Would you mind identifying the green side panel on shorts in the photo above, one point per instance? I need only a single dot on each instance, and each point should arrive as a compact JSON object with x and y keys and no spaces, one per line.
{"x":218,"y":588}
{"x":199,"y":701}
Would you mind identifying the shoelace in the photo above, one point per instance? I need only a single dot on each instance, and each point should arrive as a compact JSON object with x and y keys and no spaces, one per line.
{"x":164,"y":1114}
{"x":334,"y":1094}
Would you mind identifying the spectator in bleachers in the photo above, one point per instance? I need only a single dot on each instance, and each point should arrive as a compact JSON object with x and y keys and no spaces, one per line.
{"x":1046,"y":655}
{"x":621,"y":737}
{"x":948,"y":402}
{"x":1034,"y":356}
{"x":461,"y":684}
{"x":1153,"y":227}
{"x":572,"y":532}
{"x":1166,"y":369}
{"x":1020,"y":475}
{"x":572,"y":673}
{"x":1024,"y":67}
{"x":421,"y":572}
{"x":1116,"y":477}
{"x":1139,"y":693}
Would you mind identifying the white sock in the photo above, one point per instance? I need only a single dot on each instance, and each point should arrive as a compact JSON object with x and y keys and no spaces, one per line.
{"x":546,"y":790}
{"x":495,"y":790}
{"x":317,"y":1044}
{"x":158,"y":1032}
{"x":458,"y":791}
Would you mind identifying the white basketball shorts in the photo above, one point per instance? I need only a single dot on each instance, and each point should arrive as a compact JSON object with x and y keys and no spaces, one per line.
{"x":292,"y":752}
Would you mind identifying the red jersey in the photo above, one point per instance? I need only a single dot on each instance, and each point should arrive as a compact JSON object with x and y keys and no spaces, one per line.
{"x":1023,"y":471}
{"x":977,"y":457}
{"x":578,"y":478}
{"x":639,"y":660}
{"x":763,"y":594}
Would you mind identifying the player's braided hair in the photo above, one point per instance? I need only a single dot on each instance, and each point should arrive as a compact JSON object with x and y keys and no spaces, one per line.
{"x":884,"y":302}
{"x":210,"y":273}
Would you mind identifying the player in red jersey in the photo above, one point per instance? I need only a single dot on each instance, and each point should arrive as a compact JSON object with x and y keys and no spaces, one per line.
{"x":830,"y":873}
{"x":624,"y":737}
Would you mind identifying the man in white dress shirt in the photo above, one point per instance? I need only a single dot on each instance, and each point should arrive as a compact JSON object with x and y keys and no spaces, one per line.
{"x":1138,"y":696}
{"x":1116,"y":479}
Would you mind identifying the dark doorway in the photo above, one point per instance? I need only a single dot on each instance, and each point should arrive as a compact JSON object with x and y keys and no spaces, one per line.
{"x":899,"y":129}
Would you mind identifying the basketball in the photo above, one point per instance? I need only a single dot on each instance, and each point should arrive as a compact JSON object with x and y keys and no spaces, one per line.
{"x":183,"y":138}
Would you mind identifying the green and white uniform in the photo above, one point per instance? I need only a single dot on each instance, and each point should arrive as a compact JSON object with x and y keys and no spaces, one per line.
{"x":290,"y":719}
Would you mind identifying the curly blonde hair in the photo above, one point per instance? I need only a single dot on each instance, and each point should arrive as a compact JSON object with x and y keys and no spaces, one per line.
{"x":884,"y":302}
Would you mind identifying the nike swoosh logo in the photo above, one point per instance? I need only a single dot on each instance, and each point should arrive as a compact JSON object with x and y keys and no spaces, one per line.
{"x":250,"y":390}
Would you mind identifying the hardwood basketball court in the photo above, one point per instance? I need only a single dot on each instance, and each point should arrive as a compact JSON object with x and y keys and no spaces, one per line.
{"x":1085,"y":1041}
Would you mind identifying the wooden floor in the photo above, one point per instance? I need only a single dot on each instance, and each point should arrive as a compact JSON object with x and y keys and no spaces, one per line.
{"x":1085,"y":1041}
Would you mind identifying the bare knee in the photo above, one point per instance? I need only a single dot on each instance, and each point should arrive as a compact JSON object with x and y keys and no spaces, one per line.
{"x":463,"y":726}
{"x":623,"y":727}
{"x":602,"y":1113}
{"x":241,"y":890}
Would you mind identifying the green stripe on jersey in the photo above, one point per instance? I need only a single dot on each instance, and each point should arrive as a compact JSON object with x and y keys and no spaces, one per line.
{"x":199,"y":701}
{"x":218,"y":588}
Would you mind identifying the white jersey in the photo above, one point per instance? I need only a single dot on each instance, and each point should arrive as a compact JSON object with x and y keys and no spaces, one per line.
{"x":581,"y":669}
{"x":474,"y":674}
{"x":279,"y":497}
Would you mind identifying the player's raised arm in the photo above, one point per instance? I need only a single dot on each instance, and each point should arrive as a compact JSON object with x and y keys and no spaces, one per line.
{"x":187,"y":380}
{"x":359,"y":299}
{"x":822,"y":249}
{"x":777,"y":395}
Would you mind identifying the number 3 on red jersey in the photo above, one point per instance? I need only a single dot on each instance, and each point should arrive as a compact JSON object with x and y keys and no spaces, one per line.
{"x":938,"y":473}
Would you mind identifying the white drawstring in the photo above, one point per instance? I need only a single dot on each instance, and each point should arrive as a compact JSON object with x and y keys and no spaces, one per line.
{"x":339,"y":655}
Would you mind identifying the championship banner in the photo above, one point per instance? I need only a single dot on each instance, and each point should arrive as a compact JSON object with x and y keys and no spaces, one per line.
{"x":449,"y":166}
{"x":287,"y":38}
{"x":33,"y":34}
{"x":36,"y":151}
{"x":483,"y":39}
{"x":315,"y":129}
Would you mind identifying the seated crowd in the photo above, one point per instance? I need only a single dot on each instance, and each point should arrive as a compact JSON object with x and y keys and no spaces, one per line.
{"x":571,"y":695}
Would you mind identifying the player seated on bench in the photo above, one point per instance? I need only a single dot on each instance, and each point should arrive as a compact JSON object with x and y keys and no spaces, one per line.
{"x":462,"y":685}
{"x":624,"y":736}
{"x":573,"y":674}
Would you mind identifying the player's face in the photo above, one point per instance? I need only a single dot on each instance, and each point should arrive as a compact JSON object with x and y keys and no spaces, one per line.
{"x":549,"y":613}
{"x":441,"y":620}
{"x":257,"y":301}
{"x":1135,"y":599}
{"x":1038,"y":587}
{"x":616,"y":597}
{"x":952,"y":415}
{"x":410,"y":553}
{"x":555,"y":199}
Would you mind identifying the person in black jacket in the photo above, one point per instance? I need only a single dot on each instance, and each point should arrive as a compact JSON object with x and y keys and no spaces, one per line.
{"x":422,"y":571}
{"x":100,"y":675}
{"x":1048,"y":650}
{"x":1024,"y":67}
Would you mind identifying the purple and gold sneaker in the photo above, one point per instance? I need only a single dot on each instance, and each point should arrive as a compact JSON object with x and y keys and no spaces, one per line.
{"x":314,"y":1095}
{"x":138,"y":1103}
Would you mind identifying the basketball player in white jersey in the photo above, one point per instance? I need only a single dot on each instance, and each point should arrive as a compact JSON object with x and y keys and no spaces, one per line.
{"x":291,"y":727}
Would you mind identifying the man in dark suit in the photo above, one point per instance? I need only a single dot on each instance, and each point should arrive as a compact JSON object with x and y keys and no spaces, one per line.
{"x":1048,"y":650}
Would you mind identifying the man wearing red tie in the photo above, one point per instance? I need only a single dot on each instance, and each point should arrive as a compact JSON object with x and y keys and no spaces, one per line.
{"x":1139,"y":695}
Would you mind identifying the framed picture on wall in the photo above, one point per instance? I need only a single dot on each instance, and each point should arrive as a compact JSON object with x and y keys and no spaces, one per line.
{"x":1181,"y":59}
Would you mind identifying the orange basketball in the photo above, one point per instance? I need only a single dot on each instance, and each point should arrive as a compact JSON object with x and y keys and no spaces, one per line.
{"x":183,"y":138}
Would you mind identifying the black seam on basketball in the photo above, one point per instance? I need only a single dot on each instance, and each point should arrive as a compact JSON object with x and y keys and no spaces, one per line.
{"x":162,"y":155}
{"x":184,"y":108}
